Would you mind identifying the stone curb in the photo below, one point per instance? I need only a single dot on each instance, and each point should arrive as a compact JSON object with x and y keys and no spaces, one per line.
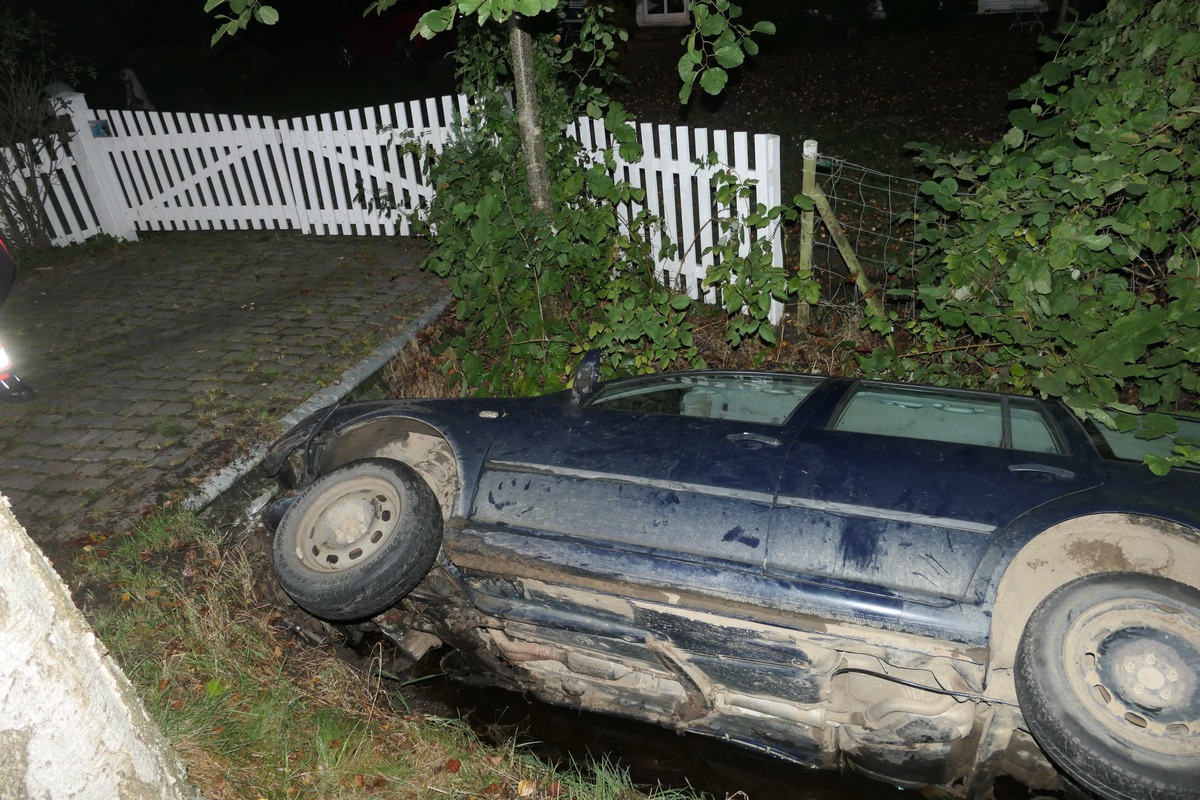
{"x":226,"y":478}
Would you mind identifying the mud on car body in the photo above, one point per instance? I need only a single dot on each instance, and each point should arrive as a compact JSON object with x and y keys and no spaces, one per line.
{"x":927,"y":586}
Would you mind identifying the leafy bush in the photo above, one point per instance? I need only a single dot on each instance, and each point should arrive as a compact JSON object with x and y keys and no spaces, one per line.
{"x":522,"y":282}
{"x":533,"y":292}
{"x":1063,"y":260}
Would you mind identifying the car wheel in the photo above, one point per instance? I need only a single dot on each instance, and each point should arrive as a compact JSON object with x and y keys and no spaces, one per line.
{"x":1106,"y":678}
{"x":358,"y":539}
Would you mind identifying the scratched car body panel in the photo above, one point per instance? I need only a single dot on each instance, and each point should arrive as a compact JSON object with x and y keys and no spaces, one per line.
{"x":838,"y":572}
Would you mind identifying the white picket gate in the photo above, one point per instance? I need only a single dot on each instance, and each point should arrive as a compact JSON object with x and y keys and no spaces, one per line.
{"x":348,"y":173}
{"x":196,"y":171}
{"x":357,"y":176}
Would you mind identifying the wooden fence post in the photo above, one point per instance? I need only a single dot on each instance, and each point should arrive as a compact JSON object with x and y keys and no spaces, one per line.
{"x":807,"y":219}
{"x":99,"y":180}
{"x":866,"y":290}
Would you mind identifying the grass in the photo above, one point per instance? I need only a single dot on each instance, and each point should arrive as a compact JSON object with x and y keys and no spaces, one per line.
{"x":98,"y":246}
{"x":256,"y":712}
{"x":167,"y":426}
{"x":241,"y":357}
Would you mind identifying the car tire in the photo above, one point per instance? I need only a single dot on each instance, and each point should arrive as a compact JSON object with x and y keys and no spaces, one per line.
{"x":1107,"y":680}
{"x":358,"y":539}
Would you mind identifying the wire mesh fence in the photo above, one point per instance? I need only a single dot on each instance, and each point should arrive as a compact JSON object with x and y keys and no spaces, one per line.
{"x":877,"y":215}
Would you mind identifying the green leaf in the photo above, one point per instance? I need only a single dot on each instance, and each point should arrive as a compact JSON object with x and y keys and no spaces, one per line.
{"x":1054,"y":73}
{"x":711,"y":25}
{"x":730,"y":56}
{"x":713,"y":80}
{"x":1156,"y":426}
{"x":267,"y":15}
{"x":1022,"y":118}
{"x":1158,"y":465}
{"x":435,"y":22}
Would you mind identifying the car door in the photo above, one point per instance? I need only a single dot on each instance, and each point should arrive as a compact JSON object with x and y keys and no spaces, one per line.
{"x":676,"y":467}
{"x":901,"y":491}
{"x":630,"y":536}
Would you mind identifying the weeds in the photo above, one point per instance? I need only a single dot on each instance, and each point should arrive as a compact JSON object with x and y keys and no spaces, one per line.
{"x":167,"y":426}
{"x":256,"y":713}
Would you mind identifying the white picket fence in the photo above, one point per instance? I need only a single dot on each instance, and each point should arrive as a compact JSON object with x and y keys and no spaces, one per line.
{"x":679,"y":193}
{"x":346,"y":173}
{"x":45,"y":167}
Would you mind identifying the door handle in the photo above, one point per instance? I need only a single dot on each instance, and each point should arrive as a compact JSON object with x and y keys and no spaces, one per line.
{"x":753,"y":441}
{"x":1045,"y":470}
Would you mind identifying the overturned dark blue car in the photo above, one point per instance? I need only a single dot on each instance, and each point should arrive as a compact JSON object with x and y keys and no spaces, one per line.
{"x":929,"y":586}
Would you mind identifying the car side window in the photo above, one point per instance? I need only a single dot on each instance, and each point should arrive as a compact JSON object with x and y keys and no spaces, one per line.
{"x":761,"y":398}
{"x":1126,"y":446}
{"x":948,"y":417}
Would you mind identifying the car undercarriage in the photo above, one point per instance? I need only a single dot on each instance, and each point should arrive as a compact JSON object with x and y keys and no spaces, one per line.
{"x":907,"y":711}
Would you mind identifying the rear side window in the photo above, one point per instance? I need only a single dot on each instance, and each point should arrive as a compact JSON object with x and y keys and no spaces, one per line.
{"x":1126,"y":445}
{"x":985,"y":421}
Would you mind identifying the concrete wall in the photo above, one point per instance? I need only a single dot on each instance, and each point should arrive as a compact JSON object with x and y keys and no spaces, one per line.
{"x":71,"y":726}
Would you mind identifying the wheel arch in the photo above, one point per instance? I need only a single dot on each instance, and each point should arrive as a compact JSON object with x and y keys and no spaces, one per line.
{"x":418,"y":444}
{"x":1086,"y":545}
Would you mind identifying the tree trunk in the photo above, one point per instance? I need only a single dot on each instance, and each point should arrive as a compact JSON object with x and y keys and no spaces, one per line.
{"x":528,"y":117}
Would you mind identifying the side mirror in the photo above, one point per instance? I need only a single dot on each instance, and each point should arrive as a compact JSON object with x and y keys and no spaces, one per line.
{"x":587,"y":375}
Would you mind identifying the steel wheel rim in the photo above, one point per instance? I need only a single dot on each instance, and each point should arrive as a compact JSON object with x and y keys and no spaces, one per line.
{"x":345,"y":530}
{"x":1132,"y":666}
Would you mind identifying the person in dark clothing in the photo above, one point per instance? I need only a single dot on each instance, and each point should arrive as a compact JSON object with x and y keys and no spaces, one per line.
{"x":12,"y":388}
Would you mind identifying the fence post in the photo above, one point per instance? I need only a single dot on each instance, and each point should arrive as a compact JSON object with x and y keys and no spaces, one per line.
{"x":807,"y":220}
{"x":868,"y":293}
{"x":99,"y":179}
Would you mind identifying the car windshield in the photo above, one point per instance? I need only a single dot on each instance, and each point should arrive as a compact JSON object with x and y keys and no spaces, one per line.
{"x":744,"y":397}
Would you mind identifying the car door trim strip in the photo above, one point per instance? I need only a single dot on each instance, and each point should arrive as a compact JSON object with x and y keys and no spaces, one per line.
{"x":886,"y":513}
{"x":758,"y":497}
{"x":632,"y":480}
